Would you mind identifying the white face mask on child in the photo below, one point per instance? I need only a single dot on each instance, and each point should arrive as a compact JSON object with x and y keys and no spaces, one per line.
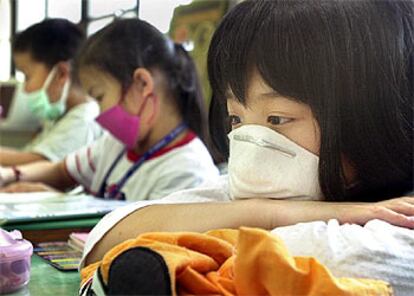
{"x":264,"y":163}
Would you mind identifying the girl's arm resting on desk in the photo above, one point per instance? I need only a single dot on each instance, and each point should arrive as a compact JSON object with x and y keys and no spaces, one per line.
{"x":9,"y":157}
{"x":51,"y":173}
{"x":18,"y":187}
{"x":263,"y":213}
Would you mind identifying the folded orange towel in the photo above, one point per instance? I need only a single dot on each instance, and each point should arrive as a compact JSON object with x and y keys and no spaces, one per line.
{"x":248,"y":261}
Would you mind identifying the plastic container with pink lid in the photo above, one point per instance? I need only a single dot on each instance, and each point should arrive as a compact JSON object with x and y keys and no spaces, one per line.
{"x":15,"y":253}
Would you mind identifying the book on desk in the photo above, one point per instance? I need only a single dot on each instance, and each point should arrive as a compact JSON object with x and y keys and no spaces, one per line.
{"x":63,"y":255}
{"x":48,"y":216}
{"x":40,"y":206}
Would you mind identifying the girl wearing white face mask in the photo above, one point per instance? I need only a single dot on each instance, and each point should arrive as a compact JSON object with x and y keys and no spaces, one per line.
{"x":314,"y":113}
{"x":43,"y":52}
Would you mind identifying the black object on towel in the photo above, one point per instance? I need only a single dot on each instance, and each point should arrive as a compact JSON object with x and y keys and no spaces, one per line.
{"x":139,"y":271}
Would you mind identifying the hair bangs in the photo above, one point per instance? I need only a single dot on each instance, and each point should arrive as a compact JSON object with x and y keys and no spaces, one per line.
{"x":284,"y":45}
{"x":294,"y":50}
{"x":230,"y":60}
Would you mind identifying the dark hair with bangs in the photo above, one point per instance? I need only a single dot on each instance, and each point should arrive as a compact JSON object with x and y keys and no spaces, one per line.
{"x":50,"y":41}
{"x":350,"y":61}
{"x":127,"y":44}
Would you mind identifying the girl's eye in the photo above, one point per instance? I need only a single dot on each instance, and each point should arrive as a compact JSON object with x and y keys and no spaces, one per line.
{"x":234,"y":120}
{"x":99,"y":98}
{"x":278,"y":120}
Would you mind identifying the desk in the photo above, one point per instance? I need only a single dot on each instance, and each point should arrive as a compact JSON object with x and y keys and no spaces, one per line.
{"x":47,"y":231}
{"x":46,"y":280}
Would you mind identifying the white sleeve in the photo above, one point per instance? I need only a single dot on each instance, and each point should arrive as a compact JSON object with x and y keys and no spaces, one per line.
{"x":72,"y":132}
{"x":216,"y":190}
{"x":377,"y":250}
{"x":180,"y":173}
{"x":81,"y":165}
{"x":170,"y":183}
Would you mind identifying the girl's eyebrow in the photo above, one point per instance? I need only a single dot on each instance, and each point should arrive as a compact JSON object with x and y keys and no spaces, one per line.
{"x":274,"y":95}
{"x":271,"y":94}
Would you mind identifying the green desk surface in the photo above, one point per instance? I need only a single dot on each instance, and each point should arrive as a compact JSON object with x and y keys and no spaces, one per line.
{"x":46,"y":280}
{"x":58,"y":224}
{"x":57,"y":230}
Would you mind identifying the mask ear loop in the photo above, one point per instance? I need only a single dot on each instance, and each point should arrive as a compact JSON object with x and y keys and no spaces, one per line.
{"x":65,"y":90}
{"x":155,"y":102}
{"x":122,"y":97}
{"x":49,"y":78}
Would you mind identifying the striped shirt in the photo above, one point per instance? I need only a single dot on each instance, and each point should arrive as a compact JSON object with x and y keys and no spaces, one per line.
{"x":185,"y":165}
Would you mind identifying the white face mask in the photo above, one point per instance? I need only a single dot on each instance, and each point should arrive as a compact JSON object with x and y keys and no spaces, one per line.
{"x":39,"y":102}
{"x":264,"y":163}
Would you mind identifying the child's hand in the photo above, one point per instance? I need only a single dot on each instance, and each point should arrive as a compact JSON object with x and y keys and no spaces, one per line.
{"x":397,"y":211}
{"x":4,"y":175}
{"x":27,"y":187}
{"x":2,"y":181}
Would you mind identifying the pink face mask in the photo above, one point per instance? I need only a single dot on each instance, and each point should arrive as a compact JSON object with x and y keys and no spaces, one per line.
{"x":121,"y":124}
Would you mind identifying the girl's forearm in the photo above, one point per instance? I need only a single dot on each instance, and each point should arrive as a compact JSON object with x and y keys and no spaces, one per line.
{"x":200,"y":217}
{"x":197,"y":217}
{"x":262,"y":213}
{"x":9,"y":157}
{"x":50,"y":173}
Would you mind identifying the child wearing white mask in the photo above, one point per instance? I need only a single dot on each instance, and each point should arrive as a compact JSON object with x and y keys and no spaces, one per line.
{"x":319,"y":99}
{"x":152,"y":107}
{"x":44,"y":52}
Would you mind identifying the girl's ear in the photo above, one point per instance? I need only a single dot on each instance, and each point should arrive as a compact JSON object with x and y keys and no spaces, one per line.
{"x":142,"y":87}
{"x":62,"y":72}
{"x":143,"y":82}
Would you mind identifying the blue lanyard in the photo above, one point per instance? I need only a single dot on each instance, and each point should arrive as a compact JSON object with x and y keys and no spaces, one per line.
{"x":115,"y":190}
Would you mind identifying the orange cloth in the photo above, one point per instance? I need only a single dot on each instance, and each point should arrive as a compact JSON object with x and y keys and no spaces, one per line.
{"x":248,"y":261}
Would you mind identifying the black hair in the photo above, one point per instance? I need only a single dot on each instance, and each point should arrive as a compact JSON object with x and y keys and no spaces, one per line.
{"x":50,"y":41}
{"x":351,"y":62}
{"x":127,"y":44}
{"x":219,"y":126}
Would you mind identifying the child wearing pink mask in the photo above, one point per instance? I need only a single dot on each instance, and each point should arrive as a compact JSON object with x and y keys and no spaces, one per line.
{"x":152,"y":106}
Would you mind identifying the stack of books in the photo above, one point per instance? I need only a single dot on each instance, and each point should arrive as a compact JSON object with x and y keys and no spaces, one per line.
{"x":63,"y":255}
{"x":77,"y":240}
